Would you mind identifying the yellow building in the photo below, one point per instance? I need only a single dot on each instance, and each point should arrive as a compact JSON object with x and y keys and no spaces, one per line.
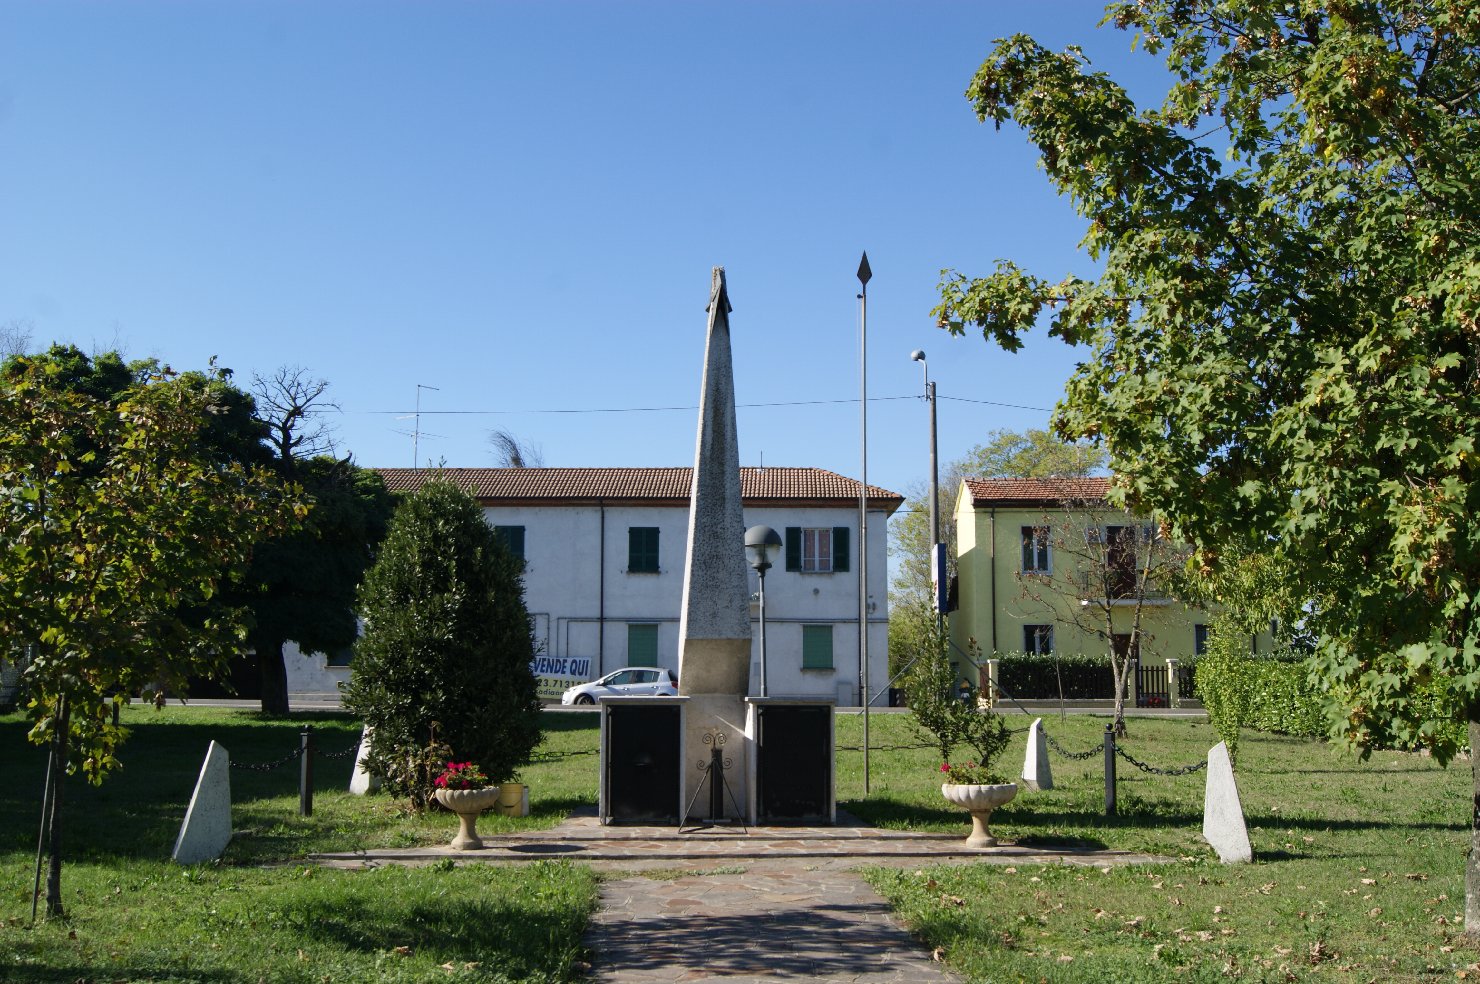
{"x":1047,"y":565}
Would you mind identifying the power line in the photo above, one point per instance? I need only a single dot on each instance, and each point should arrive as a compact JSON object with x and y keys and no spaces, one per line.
{"x":741,"y":406}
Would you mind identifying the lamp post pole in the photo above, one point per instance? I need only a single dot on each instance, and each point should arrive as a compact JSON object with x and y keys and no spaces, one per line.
{"x":760,"y":543}
{"x":761,"y":571}
{"x":865,"y":274}
{"x":937,"y":565}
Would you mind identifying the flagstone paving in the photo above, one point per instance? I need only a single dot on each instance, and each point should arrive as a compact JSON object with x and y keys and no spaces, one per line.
{"x":743,"y":904}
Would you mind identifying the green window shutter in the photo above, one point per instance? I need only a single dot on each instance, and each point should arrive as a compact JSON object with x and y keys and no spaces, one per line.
{"x":642,"y":549}
{"x":513,"y":537}
{"x":642,"y":645}
{"x":817,"y":647}
{"x":840,"y":549}
{"x":793,"y":548}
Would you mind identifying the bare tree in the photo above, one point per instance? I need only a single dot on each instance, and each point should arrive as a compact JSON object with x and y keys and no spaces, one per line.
{"x":291,"y":403}
{"x":510,"y":452}
{"x":15,"y":338}
{"x":1096,"y":570}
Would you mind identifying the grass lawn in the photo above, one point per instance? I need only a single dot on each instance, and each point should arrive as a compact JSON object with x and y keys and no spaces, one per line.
{"x":1358,"y":874}
{"x":133,"y":915}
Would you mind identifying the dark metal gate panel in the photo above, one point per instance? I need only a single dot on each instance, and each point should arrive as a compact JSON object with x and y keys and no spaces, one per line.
{"x":642,"y":763}
{"x":794,"y":763}
{"x":1151,"y":685}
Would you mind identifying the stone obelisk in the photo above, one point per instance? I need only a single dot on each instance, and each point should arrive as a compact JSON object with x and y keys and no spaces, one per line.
{"x":714,"y":626}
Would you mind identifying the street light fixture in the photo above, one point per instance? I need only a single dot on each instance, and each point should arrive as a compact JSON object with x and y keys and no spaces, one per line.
{"x":761,"y":544}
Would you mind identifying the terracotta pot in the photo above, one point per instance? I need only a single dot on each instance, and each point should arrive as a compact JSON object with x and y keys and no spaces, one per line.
{"x":981,"y":800}
{"x":467,"y":804}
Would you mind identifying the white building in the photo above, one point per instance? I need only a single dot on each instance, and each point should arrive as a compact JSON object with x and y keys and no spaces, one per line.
{"x":604,"y":568}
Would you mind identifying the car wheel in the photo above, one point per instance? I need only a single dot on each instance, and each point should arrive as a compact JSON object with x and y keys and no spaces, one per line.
{"x":585,"y":699}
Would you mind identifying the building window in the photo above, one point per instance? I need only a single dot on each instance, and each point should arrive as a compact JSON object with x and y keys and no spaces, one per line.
{"x":817,"y":647}
{"x":340,"y":657}
{"x":1038,"y":639}
{"x":513,"y":539}
{"x":642,"y":645}
{"x":1035,"y":550}
{"x":817,"y":550}
{"x":642,"y":550}
{"x":1199,"y":639}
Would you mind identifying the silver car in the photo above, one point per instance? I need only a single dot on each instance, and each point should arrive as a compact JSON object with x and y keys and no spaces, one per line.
{"x":644,"y":681}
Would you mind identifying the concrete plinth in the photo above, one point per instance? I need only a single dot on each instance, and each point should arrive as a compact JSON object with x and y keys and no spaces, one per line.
{"x":717,"y":721}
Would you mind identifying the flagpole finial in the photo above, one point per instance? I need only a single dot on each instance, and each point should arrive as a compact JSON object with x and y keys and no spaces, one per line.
{"x":864,"y":273}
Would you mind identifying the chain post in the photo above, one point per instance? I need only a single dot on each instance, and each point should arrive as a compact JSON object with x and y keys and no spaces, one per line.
{"x":1110,"y":769}
{"x":305,"y":772}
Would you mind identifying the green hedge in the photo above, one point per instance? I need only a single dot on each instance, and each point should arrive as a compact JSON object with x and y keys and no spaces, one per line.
{"x":1273,"y":693}
{"x":1028,"y":676}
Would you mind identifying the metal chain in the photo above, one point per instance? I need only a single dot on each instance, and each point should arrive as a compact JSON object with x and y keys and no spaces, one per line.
{"x":1073,"y":755}
{"x":1179,"y":771}
{"x":269,"y":766}
{"x":340,"y":754}
{"x":557,"y":756}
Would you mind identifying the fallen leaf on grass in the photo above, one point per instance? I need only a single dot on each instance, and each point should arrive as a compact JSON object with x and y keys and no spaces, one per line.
{"x":938,"y":954}
{"x":404,"y":951}
{"x":1369,"y":881}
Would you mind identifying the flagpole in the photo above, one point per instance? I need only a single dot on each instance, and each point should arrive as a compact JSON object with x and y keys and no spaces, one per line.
{"x":864,"y":276}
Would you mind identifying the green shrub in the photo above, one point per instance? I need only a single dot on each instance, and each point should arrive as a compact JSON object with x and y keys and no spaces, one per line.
{"x":1084,"y":676}
{"x":946,"y":721}
{"x":445,"y":656}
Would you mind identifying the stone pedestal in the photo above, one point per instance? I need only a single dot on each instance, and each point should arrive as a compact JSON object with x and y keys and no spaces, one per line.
{"x":717,"y":722}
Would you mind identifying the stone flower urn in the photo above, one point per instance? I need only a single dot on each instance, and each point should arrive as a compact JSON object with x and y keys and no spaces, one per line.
{"x":981,"y":800}
{"x":467,"y":804}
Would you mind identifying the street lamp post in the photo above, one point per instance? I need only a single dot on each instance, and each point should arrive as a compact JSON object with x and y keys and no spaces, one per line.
{"x":761,"y":543}
{"x":937,"y":552}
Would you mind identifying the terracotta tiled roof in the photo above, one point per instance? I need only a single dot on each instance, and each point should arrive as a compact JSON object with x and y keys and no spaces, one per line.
{"x":655,"y":486}
{"x":1035,"y":491}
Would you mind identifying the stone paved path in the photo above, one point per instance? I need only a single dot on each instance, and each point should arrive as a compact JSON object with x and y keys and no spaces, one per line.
{"x":772,"y":923}
{"x":759,"y":904}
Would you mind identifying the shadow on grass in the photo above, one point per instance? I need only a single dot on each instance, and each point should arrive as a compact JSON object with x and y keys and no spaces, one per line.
{"x":516,"y":941}
{"x":73,"y":973}
{"x":1130,"y":815}
{"x":137,"y":811}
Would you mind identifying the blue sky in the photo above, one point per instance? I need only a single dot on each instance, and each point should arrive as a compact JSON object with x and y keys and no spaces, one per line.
{"x":519,"y":204}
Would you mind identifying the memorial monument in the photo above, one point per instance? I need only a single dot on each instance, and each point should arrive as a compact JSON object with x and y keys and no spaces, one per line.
{"x":695,"y":758}
{"x":714,"y":622}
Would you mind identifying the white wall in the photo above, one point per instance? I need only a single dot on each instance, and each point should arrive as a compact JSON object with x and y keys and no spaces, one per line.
{"x":564,"y":590}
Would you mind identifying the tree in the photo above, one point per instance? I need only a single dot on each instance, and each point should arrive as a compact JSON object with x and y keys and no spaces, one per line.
{"x":289,"y":402}
{"x":120,"y":526}
{"x":510,"y":452}
{"x":301,"y":587}
{"x":939,"y":714}
{"x":15,"y":338}
{"x":1113,"y":564}
{"x":446,"y":652}
{"x":1283,"y":354}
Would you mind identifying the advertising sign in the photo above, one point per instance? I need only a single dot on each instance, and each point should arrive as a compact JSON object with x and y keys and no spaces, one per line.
{"x":554,"y":674}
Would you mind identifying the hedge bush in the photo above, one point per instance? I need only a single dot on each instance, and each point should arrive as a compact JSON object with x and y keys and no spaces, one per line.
{"x":1274,"y":692}
{"x":1030,"y":676}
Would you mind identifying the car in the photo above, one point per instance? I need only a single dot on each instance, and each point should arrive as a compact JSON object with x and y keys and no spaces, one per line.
{"x":634,"y":681}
